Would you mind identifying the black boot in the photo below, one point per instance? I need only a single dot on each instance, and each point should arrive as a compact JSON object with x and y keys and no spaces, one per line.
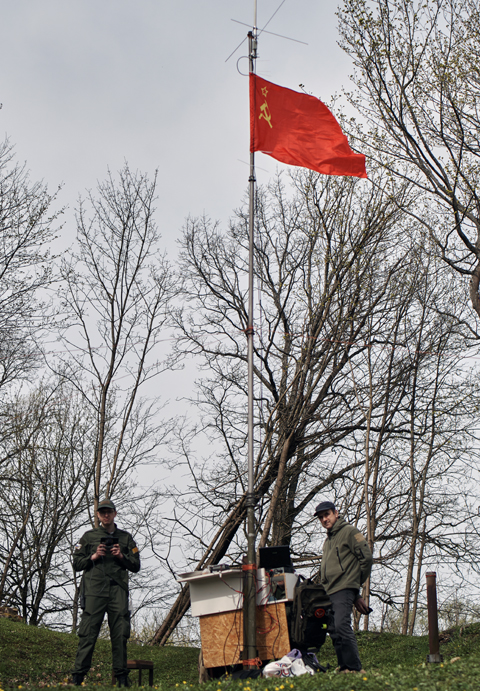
{"x":77,"y":679}
{"x":123,"y":680}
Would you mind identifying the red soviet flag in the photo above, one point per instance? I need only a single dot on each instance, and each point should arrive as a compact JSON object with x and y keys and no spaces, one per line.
{"x":299,"y":129}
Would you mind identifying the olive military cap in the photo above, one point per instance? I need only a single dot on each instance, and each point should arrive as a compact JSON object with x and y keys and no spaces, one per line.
{"x":106,"y":504}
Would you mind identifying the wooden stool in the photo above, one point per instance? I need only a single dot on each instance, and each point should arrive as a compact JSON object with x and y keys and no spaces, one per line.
{"x":139,"y":664}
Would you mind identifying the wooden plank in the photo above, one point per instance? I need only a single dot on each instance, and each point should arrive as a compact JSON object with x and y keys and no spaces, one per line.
{"x":222,"y":635}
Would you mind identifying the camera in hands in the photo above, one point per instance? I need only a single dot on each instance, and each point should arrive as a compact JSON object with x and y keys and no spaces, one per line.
{"x":109,"y":542}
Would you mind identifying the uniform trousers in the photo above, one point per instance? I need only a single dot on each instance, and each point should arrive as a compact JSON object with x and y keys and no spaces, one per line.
{"x":342,"y":635}
{"x":115,"y":604}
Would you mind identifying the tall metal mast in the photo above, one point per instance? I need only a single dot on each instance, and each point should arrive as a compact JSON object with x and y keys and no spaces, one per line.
{"x":249,"y":605}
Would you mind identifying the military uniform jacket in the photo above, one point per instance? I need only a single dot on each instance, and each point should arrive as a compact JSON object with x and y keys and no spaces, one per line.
{"x":346,"y":558}
{"x":99,"y":575}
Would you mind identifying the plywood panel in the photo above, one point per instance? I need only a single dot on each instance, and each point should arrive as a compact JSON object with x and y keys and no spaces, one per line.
{"x":222,"y":635}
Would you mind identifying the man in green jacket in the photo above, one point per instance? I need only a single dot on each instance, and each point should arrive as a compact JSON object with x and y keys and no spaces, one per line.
{"x":346,"y":565}
{"x":105,"y":555}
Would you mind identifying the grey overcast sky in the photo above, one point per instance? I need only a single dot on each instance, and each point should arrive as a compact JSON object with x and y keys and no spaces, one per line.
{"x":88,"y":84}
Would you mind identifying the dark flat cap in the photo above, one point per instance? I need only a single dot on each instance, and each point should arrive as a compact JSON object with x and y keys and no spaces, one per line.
{"x":324,"y":506}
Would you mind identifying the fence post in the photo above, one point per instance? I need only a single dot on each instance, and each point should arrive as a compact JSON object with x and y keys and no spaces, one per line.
{"x":432,"y":610}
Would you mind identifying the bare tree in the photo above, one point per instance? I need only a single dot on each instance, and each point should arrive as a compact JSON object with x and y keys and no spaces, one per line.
{"x":327,"y":259}
{"x":417,"y":78}
{"x":422,"y":434}
{"x":43,"y":496}
{"x":351,"y":347}
{"x":117,"y":289}
{"x":26,"y":228}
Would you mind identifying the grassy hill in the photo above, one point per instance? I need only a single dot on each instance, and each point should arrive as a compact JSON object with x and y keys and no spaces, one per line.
{"x":31,"y":657}
{"x":39,"y":658}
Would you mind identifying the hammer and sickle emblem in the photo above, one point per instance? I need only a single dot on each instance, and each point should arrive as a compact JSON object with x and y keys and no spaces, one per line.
{"x":265,"y":114}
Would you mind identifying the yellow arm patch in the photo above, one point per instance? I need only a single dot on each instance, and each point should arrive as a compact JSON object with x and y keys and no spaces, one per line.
{"x":360,"y":538}
{"x":135,"y":550}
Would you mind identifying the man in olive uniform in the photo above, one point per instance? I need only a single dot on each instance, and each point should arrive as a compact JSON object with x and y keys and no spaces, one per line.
{"x":346,"y":565}
{"x":105,"y":555}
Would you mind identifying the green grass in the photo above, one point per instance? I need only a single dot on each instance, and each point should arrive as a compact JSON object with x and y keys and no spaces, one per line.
{"x":38,"y":658}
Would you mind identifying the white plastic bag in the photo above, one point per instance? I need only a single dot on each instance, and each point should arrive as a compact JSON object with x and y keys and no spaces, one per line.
{"x":279,"y":668}
{"x":290,"y":665}
{"x":299,"y":668}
